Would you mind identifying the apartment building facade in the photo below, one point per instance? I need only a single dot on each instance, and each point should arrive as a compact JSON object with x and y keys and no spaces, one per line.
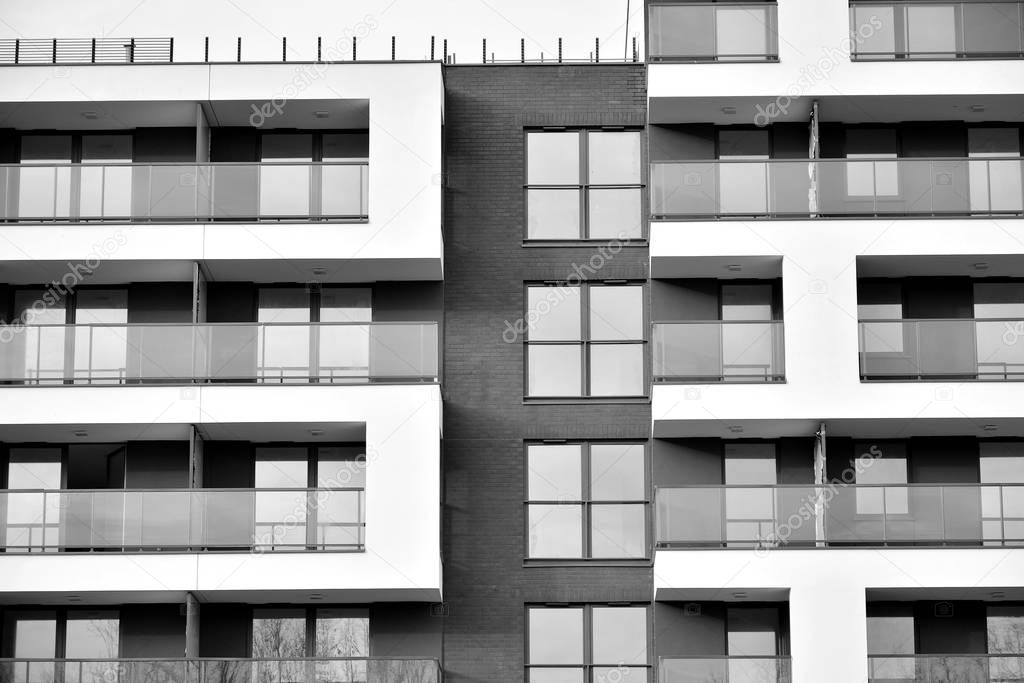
{"x":698,"y":369}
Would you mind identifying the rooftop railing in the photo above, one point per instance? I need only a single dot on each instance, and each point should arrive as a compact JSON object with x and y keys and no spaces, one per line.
{"x":295,"y":670}
{"x":837,"y":187}
{"x":939,"y":29}
{"x":942,"y":349}
{"x":962,"y":668}
{"x":335,"y":191}
{"x":725,"y":669}
{"x":183,"y":519}
{"x":718,"y":351}
{"x":265,"y":353}
{"x":837,"y":514}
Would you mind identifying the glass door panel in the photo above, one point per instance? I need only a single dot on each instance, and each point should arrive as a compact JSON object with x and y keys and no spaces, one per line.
{"x":750,"y":512}
{"x":281,"y":515}
{"x":33,"y":518}
{"x":345,"y":348}
{"x":101,"y":344}
{"x":38,"y":353}
{"x":44,"y":190}
{"x":106,"y":176}
{"x":747,"y":349}
{"x":284,"y":347}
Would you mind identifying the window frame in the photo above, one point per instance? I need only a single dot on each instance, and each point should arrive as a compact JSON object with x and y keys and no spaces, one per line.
{"x":585,"y":343}
{"x":586,"y":504}
{"x":584,"y":186}
{"x":588,"y":666}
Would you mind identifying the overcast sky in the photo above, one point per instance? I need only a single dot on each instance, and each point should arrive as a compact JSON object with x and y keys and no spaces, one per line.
{"x":262,"y":23}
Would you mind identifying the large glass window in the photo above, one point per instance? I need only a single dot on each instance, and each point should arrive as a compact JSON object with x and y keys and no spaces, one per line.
{"x":875,"y":178}
{"x":743,"y":181}
{"x":586,"y":501}
{"x":995,"y":169}
{"x":1002,"y":491}
{"x":583,"y":185}
{"x":291,"y":516}
{"x":587,"y":643}
{"x":290,"y":350}
{"x":750,"y":507}
{"x":585,"y":340}
{"x":890,"y":467}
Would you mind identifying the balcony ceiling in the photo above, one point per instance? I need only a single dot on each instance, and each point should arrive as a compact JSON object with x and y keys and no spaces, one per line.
{"x":95,"y":115}
{"x":331,"y":432}
{"x":974,"y":266}
{"x":853,"y":109}
{"x":862,"y":428}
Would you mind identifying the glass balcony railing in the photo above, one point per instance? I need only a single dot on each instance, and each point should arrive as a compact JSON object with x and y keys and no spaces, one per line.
{"x":942,"y":348}
{"x":838,"y":514}
{"x":939,"y":29}
{"x":946,"y":668}
{"x":713,"y":32}
{"x":225,"y":352}
{"x":837,"y":187}
{"x":184,"y":192}
{"x":310,"y":670}
{"x":190,"y":519}
{"x":724,"y":670}
{"x":718,"y":351}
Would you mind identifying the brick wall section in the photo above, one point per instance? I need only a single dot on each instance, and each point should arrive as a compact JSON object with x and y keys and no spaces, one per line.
{"x":485,"y":419}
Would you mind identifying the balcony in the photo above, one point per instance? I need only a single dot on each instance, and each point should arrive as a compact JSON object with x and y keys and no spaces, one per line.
{"x":942,"y":349}
{"x":220,"y":352}
{"x":937,"y":30}
{"x":713,"y":32}
{"x":725,"y":669}
{"x":295,"y":670}
{"x":182,"y":192}
{"x":840,"y":515}
{"x":837,"y":187}
{"x":718,"y":351}
{"x":191,"y":520}
{"x":944,"y":668}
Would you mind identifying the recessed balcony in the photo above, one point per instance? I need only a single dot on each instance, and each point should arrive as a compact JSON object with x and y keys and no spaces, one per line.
{"x":209,"y":670}
{"x":264,"y":353}
{"x":942,"y":349}
{"x":725,"y":668}
{"x":942,"y":668}
{"x":839,"y":515}
{"x":713,"y":32}
{"x":184,"y":520}
{"x":185,"y":192}
{"x":990,"y":29}
{"x":718,"y":351}
{"x":824,"y":188}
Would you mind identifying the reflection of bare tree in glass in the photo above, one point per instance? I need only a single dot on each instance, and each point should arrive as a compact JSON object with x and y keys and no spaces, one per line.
{"x":1006,"y":638}
{"x":225,"y":671}
{"x":281,"y":640}
{"x":342,"y":637}
{"x":402,"y":671}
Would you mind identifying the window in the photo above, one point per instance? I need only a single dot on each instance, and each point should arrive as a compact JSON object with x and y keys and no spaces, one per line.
{"x":750,"y":512}
{"x":587,"y":501}
{"x":1002,"y":507}
{"x":337,"y":349}
{"x":289,"y":515}
{"x":341,"y":637}
{"x":585,"y":341}
{"x":590,"y":643}
{"x":583,"y":185}
{"x":888,"y":468}
{"x":744,"y":180}
{"x":872,"y":178}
